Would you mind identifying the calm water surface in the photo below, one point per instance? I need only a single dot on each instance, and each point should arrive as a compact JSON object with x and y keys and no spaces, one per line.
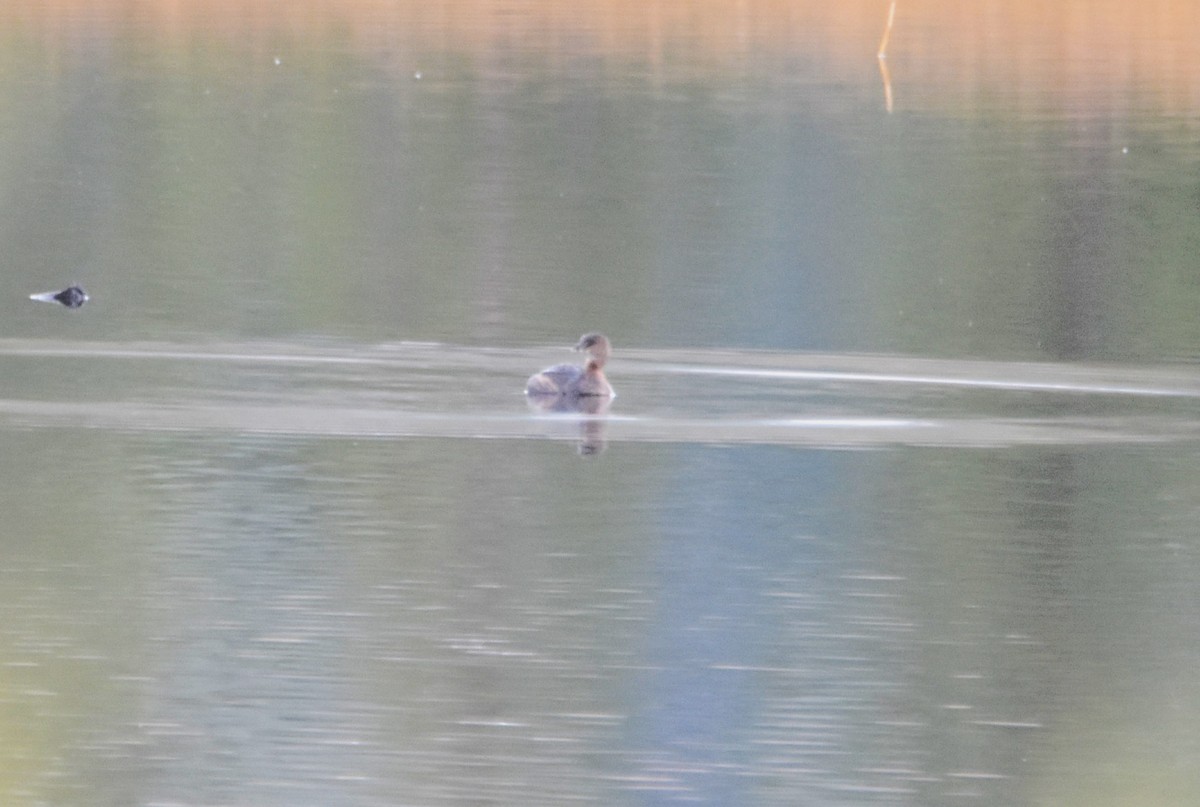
{"x":896,"y":505}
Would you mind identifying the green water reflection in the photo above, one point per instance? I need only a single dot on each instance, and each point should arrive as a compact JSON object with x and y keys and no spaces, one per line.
{"x":240,"y":620}
{"x":310,"y":188}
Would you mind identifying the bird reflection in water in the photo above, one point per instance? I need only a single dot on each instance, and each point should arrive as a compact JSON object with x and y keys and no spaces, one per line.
{"x":592,"y":425}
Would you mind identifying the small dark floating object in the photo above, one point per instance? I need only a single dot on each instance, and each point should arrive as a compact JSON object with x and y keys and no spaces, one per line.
{"x":71,"y":297}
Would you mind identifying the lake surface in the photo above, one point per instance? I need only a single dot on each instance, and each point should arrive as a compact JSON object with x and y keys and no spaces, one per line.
{"x":896,"y":504}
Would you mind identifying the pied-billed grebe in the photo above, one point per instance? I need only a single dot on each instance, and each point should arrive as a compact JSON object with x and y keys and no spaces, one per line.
{"x":573,"y":380}
{"x":71,"y":297}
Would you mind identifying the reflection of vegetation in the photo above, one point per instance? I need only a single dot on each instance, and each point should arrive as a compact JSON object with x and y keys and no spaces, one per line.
{"x":1143,"y":756}
{"x":953,"y":51}
{"x":72,"y":623}
{"x":517,"y":191}
{"x":1049,"y":594}
{"x":28,"y":753}
{"x":1016,"y":247}
{"x":306,"y":182}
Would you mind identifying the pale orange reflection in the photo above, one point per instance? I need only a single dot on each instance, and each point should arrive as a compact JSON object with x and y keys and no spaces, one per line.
{"x":941,"y":53}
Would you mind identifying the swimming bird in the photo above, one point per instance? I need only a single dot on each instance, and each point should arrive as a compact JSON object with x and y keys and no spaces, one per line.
{"x":573,"y":380}
{"x":71,"y":297}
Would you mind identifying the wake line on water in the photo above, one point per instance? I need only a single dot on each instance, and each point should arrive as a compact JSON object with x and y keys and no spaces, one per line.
{"x":303,"y":421}
{"x":1152,"y":381}
{"x":1095,"y":388}
{"x":172,"y":353}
